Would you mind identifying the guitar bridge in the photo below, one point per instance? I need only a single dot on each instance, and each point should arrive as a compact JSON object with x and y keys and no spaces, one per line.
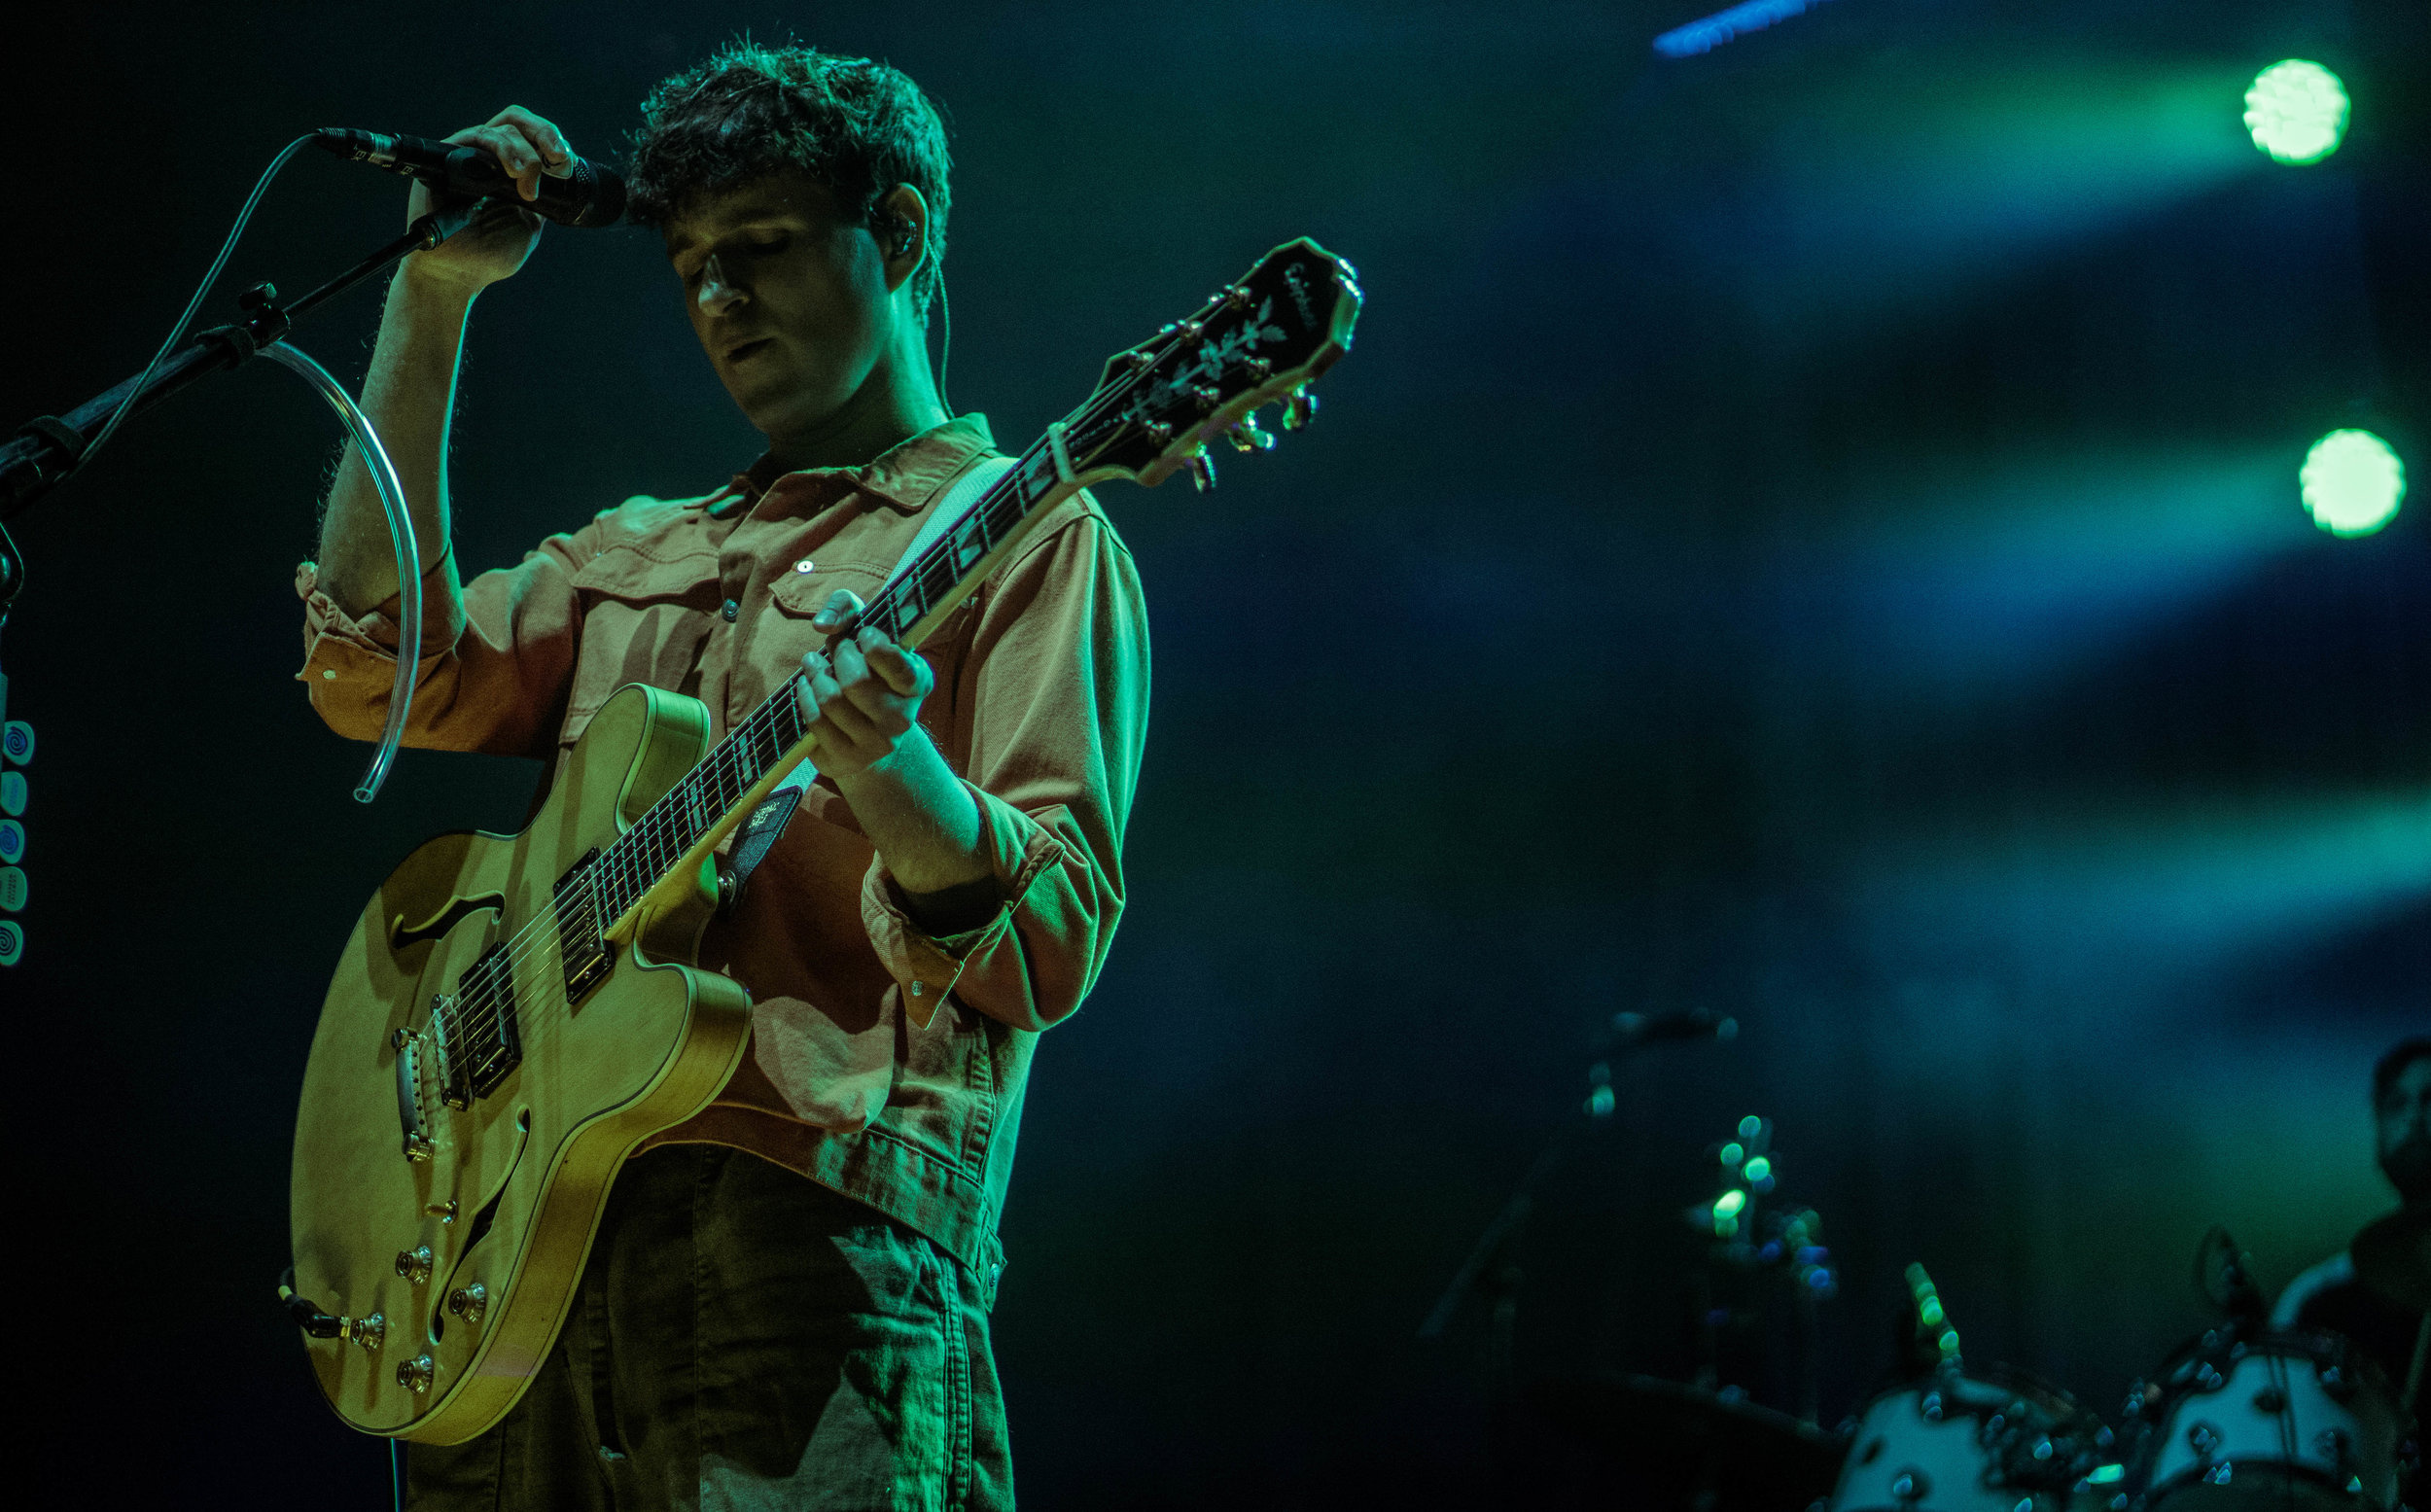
{"x":413,"y":1136}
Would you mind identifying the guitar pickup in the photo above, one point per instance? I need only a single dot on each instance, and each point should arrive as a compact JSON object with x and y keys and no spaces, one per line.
{"x":587,"y":956}
{"x":485,"y":1040}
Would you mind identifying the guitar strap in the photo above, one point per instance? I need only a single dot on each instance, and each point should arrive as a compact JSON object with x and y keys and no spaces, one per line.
{"x":775,"y":810}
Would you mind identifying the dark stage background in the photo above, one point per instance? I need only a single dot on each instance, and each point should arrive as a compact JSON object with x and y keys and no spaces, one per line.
{"x":1808,"y":531}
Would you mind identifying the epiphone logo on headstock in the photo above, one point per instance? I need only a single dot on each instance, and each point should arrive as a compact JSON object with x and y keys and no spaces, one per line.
{"x":1297,"y":278}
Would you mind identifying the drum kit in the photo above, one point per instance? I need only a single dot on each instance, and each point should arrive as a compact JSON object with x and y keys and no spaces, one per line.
{"x":2245,"y":1418}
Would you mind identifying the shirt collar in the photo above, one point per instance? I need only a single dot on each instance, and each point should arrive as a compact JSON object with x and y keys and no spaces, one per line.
{"x":906,"y":477}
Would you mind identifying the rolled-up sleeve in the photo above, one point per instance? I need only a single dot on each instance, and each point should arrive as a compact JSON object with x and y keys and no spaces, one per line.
{"x":494,"y":668}
{"x":1053,"y":701}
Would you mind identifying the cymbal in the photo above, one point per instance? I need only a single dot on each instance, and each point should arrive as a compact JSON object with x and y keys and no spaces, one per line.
{"x":2393,"y":1257}
{"x":1673,"y":1440}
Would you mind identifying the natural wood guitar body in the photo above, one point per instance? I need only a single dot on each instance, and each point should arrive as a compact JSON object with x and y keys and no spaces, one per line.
{"x":514,"y":1015}
{"x":509,"y":1193}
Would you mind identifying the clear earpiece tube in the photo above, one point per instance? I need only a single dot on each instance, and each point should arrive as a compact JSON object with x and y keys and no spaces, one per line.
{"x":408,"y":557}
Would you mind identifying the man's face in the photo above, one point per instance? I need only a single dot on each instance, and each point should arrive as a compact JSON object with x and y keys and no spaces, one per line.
{"x":787,"y":297}
{"x":2405,"y":1131}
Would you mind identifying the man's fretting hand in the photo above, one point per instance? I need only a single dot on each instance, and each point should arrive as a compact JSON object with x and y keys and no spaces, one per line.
{"x":863,"y":703}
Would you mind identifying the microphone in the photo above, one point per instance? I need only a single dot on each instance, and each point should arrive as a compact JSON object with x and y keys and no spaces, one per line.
{"x":590,"y":196}
{"x":1690,"y":1024}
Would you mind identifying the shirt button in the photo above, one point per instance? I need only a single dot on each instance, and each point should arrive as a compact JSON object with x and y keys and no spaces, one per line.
{"x":915,"y":989}
{"x":805,"y":565}
{"x":731,"y":609}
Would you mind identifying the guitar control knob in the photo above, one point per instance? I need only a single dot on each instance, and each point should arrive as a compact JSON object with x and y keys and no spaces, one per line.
{"x":365,"y":1333}
{"x":1202,"y":470}
{"x":414,"y":1265}
{"x":468,"y":1302}
{"x":414,"y":1375}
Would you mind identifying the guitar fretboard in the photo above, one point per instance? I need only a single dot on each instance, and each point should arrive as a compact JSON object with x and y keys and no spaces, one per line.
{"x":771,"y":733}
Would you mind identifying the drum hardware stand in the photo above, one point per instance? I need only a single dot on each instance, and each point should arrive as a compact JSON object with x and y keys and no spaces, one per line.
{"x":1790,"y":1248}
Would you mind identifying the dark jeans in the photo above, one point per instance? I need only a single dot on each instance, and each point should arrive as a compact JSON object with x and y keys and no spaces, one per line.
{"x":744,"y":1337}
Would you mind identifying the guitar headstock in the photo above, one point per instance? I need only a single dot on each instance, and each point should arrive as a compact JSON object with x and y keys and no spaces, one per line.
{"x":1257,"y":341}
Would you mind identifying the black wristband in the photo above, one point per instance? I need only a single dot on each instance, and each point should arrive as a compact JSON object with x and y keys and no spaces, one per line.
{"x":955,"y":910}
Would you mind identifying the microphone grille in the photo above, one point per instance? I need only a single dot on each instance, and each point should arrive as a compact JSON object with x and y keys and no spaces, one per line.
{"x":599,"y":195}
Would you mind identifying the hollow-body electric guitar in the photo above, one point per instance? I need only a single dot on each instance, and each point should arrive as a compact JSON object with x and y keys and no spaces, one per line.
{"x":514,"y":1015}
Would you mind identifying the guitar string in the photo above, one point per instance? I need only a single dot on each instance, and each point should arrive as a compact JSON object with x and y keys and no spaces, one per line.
{"x":509,"y":977}
{"x":655,"y":843}
{"x":662,"y":843}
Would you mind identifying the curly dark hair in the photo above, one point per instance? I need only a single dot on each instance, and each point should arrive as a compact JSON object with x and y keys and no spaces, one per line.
{"x":858,"y":126}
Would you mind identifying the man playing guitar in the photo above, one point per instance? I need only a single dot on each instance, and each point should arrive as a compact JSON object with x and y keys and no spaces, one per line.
{"x":787,"y":1300}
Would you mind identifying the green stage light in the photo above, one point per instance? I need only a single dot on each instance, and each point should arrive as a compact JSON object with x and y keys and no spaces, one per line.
{"x":2297,"y":111}
{"x":2351,"y":482}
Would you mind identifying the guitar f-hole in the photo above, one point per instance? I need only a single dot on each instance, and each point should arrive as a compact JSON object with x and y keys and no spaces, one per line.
{"x":458,"y":909}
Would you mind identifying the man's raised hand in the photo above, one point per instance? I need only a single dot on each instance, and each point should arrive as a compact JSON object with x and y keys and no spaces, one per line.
{"x":861,"y":703}
{"x":497,"y":243}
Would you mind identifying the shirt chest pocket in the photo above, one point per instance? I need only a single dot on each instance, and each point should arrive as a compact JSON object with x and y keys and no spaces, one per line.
{"x":800,"y":595}
{"x":644,"y":619}
{"x":797,"y":596}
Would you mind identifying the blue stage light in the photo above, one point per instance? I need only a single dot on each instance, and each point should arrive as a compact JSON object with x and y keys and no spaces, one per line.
{"x":1711,"y":32}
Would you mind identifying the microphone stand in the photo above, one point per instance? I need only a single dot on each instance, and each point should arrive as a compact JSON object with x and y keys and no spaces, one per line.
{"x":46,"y":451}
{"x":43,"y":451}
{"x":1490,"y":1274}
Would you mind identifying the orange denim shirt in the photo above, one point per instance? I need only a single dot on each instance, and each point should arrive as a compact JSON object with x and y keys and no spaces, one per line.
{"x":1040,"y":707}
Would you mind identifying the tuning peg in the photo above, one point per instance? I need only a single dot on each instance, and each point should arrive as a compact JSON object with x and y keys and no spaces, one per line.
{"x":1299,"y":409}
{"x":1202,"y":470}
{"x":1247,"y":436}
